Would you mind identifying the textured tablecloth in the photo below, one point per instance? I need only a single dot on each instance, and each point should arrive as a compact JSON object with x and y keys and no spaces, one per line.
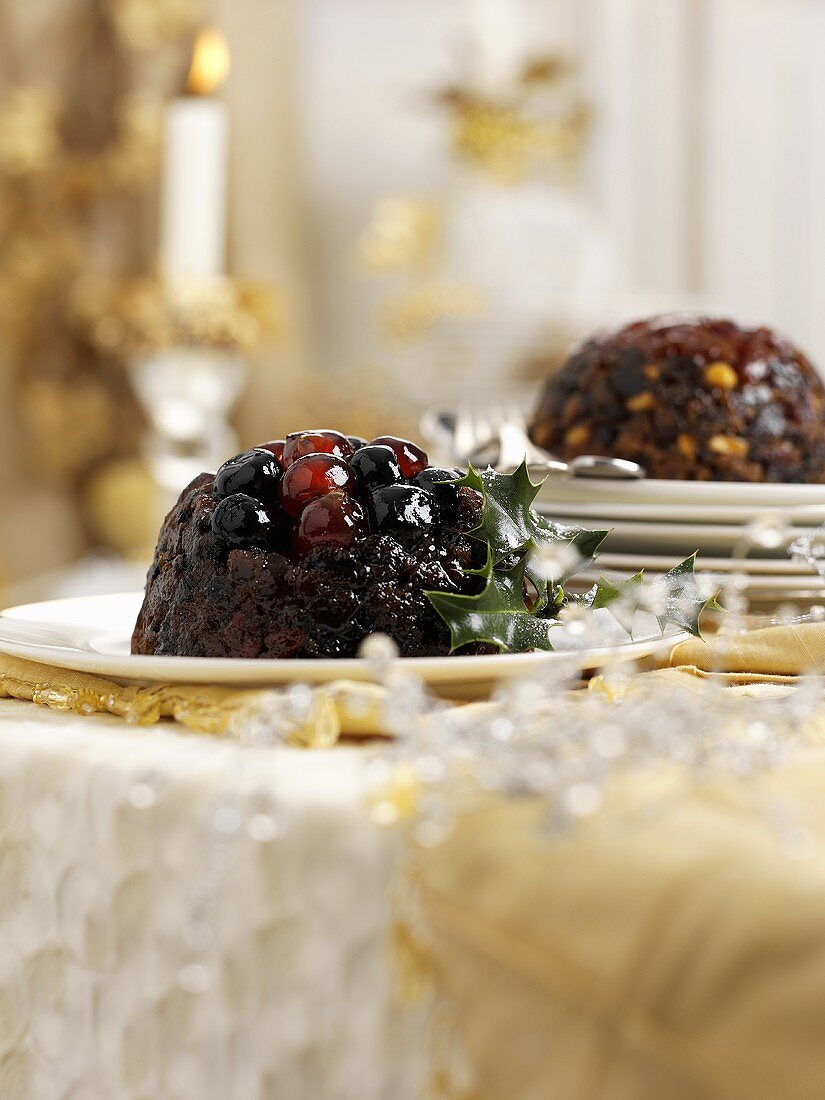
{"x":147,"y":955}
{"x":184,"y":918}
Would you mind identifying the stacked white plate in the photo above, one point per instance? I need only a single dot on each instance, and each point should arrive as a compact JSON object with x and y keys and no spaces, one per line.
{"x":737,"y":527}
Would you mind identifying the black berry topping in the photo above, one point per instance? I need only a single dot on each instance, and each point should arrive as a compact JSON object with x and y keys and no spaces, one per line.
{"x":256,"y":472}
{"x":316,"y":488}
{"x":402,"y":510}
{"x":240,"y":520}
{"x":376,"y":464}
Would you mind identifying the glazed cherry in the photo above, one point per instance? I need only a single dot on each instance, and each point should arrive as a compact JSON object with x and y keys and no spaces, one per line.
{"x":401,"y":510}
{"x":275,"y":447}
{"x":320,"y":441}
{"x":411,"y":458}
{"x":357,"y":441}
{"x":335,"y":518}
{"x":313,"y":476}
{"x":256,"y":472}
{"x":376,"y":465}
{"x":242,"y":521}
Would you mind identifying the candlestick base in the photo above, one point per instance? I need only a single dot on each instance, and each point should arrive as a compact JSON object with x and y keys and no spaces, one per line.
{"x":187,"y":394}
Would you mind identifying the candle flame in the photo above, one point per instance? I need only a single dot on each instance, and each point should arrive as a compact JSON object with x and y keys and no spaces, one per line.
{"x":210,"y":63}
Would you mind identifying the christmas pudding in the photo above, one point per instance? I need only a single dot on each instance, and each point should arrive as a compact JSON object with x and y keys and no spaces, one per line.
{"x":304,"y":547}
{"x":691,"y":398}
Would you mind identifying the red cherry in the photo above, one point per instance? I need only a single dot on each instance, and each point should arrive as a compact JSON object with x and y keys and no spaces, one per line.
{"x":312,"y":476}
{"x":411,"y":458}
{"x":335,"y":518}
{"x":275,"y":447}
{"x":320,"y":441}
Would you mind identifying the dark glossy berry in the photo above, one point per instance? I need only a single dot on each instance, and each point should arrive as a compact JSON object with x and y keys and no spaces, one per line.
{"x":242,"y":521}
{"x":335,"y":518}
{"x":402,"y":510}
{"x":313,"y":476}
{"x":320,"y":441}
{"x":376,"y":465}
{"x":411,"y":458}
{"x":275,"y":447}
{"x":256,"y":472}
{"x":434,"y":475}
{"x":357,"y":441}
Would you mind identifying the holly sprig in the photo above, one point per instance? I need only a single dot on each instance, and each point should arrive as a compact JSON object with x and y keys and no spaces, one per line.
{"x":682,"y":603}
{"x":518,"y":604}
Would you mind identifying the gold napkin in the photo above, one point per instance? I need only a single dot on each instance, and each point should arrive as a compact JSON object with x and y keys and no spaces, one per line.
{"x":771,"y":655}
{"x":673,"y":957}
{"x":340,"y":709}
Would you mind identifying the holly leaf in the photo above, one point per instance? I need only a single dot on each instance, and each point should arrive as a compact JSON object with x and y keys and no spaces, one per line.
{"x":509,"y":525}
{"x":683,"y":602}
{"x":498,"y":615}
{"x":607,"y":594}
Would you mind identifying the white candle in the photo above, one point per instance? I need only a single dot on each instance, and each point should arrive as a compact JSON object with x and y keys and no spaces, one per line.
{"x":498,"y":42}
{"x":193,"y":205}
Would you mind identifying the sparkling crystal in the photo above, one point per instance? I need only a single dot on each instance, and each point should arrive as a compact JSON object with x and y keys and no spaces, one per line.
{"x":768,"y":530}
{"x":263,"y":828}
{"x":142,"y":796}
{"x":194,"y":978}
{"x":227,"y":820}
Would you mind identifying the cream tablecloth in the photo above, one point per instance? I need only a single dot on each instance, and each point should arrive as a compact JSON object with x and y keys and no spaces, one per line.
{"x":184,"y":917}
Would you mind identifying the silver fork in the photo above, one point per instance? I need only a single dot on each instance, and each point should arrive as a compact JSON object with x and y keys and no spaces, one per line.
{"x":474,"y":430}
{"x":515,"y":446}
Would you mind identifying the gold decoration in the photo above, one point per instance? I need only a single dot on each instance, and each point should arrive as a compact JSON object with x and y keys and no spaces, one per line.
{"x":404,"y":234}
{"x":121,"y":506}
{"x":539,"y":121}
{"x":29,"y":142}
{"x":509,"y":143}
{"x":76,"y":162}
{"x":150,"y":315}
{"x":412,"y":316}
{"x":147,"y":24}
{"x":356,"y":401}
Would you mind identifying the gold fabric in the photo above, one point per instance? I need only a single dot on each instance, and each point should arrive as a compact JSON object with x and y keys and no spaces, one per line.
{"x":680,"y":957}
{"x":341,"y":709}
{"x":774,"y":654}
{"x":673,"y":957}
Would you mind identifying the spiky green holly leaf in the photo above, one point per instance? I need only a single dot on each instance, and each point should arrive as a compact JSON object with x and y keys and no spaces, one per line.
{"x":682,"y":603}
{"x":509,"y":525}
{"x":607,"y":594}
{"x":497,"y":615}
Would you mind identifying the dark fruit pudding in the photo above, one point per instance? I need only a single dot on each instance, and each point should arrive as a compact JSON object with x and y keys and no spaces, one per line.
{"x":303,"y":547}
{"x":691,"y":398}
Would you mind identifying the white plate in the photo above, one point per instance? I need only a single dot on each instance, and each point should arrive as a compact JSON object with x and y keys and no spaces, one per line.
{"x":683,"y":538}
{"x":91,"y":634}
{"x":584,"y":511}
{"x":661,"y":563}
{"x":766,"y":583}
{"x":690,"y":493}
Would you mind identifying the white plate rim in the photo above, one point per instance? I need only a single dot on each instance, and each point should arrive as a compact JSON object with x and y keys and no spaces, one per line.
{"x":802,"y":515}
{"x":708,"y":564}
{"x":759,"y":495}
{"x":224,"y":671}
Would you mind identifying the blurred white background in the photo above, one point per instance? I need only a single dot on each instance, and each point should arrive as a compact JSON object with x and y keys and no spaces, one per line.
{"x":706,"y":163}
